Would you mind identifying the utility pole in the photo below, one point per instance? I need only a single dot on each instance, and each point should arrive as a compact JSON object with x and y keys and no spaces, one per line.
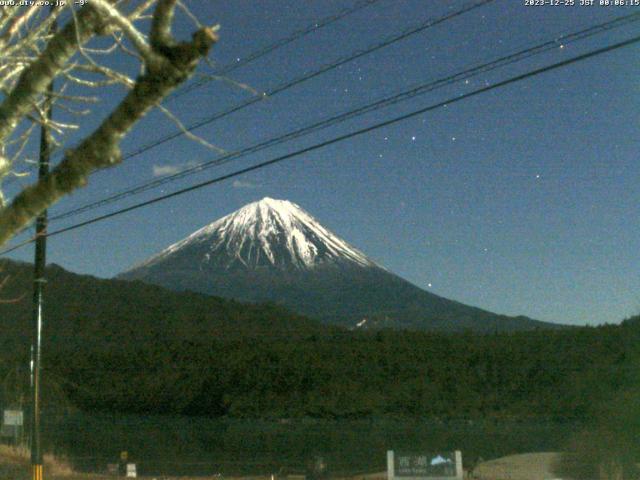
{"x":38,"y":287}
{"x":38,"y":292}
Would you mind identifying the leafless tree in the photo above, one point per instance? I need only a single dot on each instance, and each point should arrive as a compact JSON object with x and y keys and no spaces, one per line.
{"x":32,"y":55}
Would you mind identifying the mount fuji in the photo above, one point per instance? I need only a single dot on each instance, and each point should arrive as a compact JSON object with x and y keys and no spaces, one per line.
{"x":274,"y":251}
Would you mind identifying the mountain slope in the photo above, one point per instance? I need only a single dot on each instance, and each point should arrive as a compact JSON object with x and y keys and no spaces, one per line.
{"x":269,"y":234}
{"x":130,"y":347}
{"x":88,"y":311}
{"x":273,"y":250}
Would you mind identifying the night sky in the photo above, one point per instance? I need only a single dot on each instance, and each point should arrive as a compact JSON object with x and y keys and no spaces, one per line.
{"x":522,"y":200}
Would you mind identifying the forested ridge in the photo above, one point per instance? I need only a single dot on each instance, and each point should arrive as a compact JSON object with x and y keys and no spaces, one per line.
{"x":126,"y":346}
{"x":559,"y":375}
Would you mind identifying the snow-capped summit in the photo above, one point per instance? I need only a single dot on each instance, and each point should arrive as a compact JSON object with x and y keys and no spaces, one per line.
{"x":272,"y":250}
{"x":266,"y":233}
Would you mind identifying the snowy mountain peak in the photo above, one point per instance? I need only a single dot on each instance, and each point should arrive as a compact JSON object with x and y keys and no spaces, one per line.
{"x":266,"y":233}
{"x":274,"y":251}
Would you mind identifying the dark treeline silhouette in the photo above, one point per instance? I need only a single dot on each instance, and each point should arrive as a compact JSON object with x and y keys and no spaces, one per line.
{"x":126,"y":346}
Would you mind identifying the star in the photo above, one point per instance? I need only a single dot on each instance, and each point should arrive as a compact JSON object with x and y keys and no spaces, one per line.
{"x":413,"y":139}
{"x":453,"y":139}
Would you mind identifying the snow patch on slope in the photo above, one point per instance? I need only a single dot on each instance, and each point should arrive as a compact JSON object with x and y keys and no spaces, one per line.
{"x":267,"y":231}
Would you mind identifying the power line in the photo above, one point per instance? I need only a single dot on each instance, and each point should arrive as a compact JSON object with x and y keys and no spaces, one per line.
{"x":407,"y":33}
{"x":341,"y":138}
{"x":429,"y":23}
{"x":251,"y":57}
{"x":333,"y":120}
{"x":225,"y":70}
{"x":322,"y":70}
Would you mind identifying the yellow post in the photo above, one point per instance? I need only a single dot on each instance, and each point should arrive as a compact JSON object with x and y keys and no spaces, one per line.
{"x":37,"y":472}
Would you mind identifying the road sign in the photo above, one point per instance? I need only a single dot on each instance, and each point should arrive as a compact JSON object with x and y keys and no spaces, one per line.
{"x":423,"y":465}
{"x":13,"y":417}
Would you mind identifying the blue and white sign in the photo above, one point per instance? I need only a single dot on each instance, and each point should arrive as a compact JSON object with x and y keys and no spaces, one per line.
{"x":422,"y":465}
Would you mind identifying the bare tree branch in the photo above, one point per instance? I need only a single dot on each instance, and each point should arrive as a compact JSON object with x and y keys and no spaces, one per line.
{"x":170,"y":64}
{"x":123,"y":23}
{"x":161,"y":24}
{"x":36,"y":78}
{"x":187,"y":133}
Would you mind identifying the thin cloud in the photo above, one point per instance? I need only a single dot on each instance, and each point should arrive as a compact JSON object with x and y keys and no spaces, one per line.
{"x":243,"y":184}
{"x":164,"y":170}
